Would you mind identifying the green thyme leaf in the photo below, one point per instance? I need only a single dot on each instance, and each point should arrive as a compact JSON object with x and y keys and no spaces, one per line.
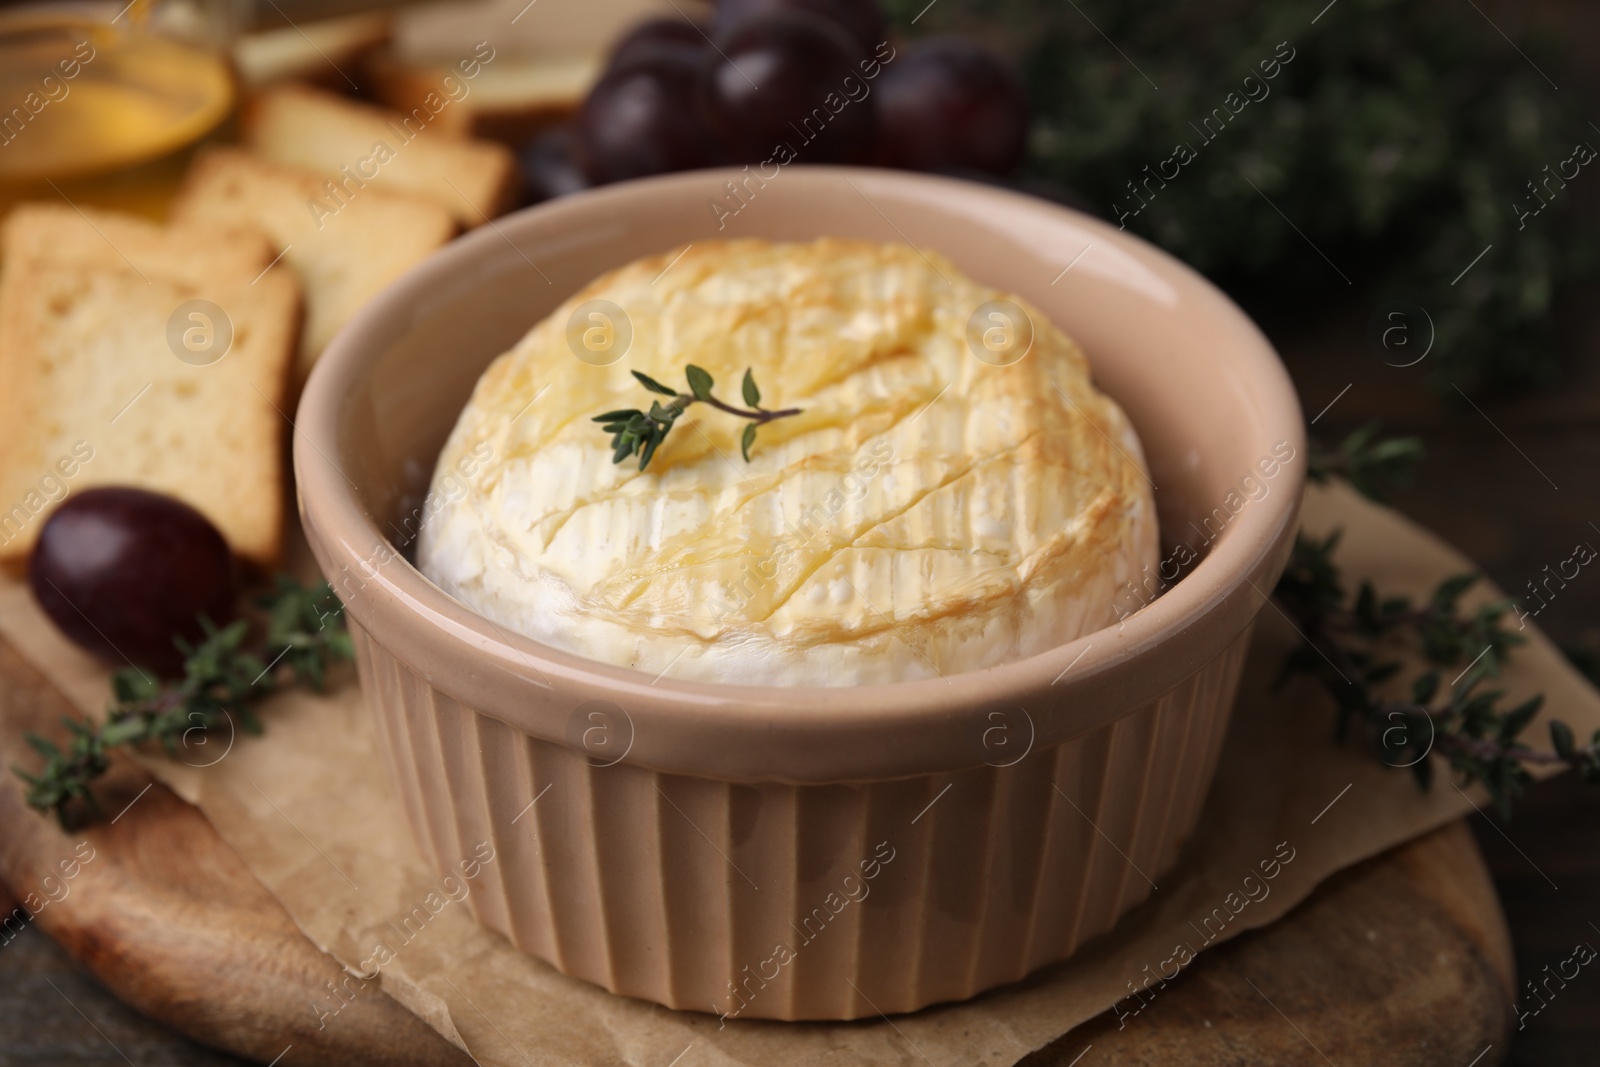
{"x":43,"y":745}
{"x":648,"y":451}
{"x":653,"y":385}
{"x":700,"y":382}
{"x":1561,"y":739}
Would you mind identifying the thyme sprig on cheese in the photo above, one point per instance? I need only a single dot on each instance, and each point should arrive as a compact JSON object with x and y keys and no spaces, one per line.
{"x":635,"y":432}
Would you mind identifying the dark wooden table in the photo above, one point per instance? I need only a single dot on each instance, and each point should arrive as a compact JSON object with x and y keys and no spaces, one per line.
{"x":52,"y":1012}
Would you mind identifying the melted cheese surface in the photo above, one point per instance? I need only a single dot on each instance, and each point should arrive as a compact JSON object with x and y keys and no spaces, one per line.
{"x":927,"y":513}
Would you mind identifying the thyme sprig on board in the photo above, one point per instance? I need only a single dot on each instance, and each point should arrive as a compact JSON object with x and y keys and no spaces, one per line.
{"x":635,"y":432}
{"x":301,"y":636}
{"x":1449,"y":708}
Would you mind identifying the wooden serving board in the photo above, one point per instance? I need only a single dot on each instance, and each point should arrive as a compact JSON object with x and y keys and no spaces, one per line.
{"x":1404,"y":959}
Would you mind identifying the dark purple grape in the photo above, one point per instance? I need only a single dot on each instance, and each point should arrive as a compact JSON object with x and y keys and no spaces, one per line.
{"x":861,"y":19}
{"x":124,"y":571}
{"x":657,"y":35}
{"x":791,"y":79}
{"x":645,"y":118}
{"x":549,"y":167}
{"x":948,"y":104}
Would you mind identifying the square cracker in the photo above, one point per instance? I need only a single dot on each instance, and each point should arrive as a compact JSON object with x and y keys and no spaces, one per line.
{"x":473,"y":180}
{"x":114,"y":374}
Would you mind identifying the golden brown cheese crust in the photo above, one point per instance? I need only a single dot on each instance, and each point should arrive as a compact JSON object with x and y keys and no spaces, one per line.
{"x":928,"y":512}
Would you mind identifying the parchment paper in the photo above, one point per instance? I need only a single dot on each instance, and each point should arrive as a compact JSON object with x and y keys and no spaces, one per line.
{"x":309,"y":809}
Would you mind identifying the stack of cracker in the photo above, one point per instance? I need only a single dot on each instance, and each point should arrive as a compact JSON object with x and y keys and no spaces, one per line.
{"x":169,"y":357}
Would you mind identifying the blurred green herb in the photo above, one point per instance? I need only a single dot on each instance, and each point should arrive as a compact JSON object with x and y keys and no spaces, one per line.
{"x":635,"y":432}
{"x":1344,"y":643}
{"x":1344,"y":648}
{"x":304,"y":634}
{"x":1372,"y":464}
{"x":1398,"y":142}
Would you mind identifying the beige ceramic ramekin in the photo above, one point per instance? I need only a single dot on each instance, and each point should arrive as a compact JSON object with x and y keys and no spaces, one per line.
{"x":806,"y":853}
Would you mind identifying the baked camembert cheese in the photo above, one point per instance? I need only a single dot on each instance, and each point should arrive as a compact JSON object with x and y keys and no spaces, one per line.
{"x":928,"y":512}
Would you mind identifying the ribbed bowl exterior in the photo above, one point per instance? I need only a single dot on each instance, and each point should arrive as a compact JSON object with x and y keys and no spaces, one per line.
{"x":775,"y":900}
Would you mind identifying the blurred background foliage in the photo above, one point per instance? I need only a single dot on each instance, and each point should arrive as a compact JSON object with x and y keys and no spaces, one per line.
{"x":1399,"y":141}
